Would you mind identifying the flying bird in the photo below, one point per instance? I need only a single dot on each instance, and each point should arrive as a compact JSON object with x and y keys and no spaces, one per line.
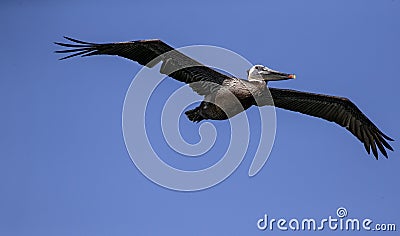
{"x":225,"y":96}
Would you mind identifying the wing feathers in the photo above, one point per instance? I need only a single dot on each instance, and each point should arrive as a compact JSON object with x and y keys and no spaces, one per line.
{"x":149,"y":53}
{"x":336,"y":109}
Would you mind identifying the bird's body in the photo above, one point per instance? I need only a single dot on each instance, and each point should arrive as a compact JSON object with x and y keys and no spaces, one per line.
{"x":226,"y":96}
{"x":234,"y":96}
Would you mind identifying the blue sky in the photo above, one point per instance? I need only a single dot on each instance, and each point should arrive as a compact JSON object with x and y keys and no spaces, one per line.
{"x":64,"y":167}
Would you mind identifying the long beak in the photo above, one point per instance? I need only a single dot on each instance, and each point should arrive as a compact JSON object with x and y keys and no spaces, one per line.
{"x":273,"y":75}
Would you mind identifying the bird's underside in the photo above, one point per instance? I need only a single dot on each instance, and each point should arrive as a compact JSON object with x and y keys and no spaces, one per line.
{"x":226,"y":96}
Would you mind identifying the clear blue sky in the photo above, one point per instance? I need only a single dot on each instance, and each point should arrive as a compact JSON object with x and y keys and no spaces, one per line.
{"x":64,"y":168}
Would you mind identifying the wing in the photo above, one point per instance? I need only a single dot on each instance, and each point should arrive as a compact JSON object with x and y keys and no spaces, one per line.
{"x":201,"y":78}
{"x":335,"y":109}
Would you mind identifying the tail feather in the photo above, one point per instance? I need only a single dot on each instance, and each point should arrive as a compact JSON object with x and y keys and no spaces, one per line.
{"x":194,"y":115}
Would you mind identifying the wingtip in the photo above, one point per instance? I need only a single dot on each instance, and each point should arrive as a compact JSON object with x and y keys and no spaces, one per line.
{"x":78,"y":41}
{"x":62,"y":58}
{"x":385,"y":154}
{"x":374,"y":151}
{"x":385,"y":136}
{"x":388,"y":138}
{"x":68,"y":38}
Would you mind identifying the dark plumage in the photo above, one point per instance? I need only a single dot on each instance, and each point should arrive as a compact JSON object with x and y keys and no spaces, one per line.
{"x":227,"y":96}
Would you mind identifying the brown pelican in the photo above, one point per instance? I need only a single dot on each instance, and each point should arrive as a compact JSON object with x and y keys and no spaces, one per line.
{"x":217,"y":87}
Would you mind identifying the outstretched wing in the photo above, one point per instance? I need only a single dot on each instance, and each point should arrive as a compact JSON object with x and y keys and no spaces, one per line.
{"x":335,"y":109}
{"x":201,"y":78}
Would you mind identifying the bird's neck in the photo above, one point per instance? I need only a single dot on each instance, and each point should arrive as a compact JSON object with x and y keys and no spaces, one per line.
{"x":259,"y":82}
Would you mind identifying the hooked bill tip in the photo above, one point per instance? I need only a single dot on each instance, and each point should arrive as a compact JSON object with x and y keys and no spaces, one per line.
{"x":292,"y":76}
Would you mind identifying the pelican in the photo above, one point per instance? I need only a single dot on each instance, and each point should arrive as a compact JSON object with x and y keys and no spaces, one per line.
{"x":225,"y":96}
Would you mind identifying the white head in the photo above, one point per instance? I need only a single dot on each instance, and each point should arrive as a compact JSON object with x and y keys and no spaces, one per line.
{"x":263,"y":73}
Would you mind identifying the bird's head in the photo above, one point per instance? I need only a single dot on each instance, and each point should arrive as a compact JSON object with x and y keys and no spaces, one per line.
{"x":263,"y":73}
